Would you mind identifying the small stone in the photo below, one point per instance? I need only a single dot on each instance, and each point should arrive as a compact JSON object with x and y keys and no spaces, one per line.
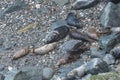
{"x":84,"y":4}
{"x":109,"y":59}
{"x":60,"y":2}
{"x":37,"y":6}
{"x":47,"y":73}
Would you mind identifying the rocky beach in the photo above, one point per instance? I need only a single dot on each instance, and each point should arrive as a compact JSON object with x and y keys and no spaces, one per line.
{"x":60,"y":39}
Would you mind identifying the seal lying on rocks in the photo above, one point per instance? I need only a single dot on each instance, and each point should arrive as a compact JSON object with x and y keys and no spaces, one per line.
{"x":75,"y":34}
{"x":72,"y":20}
{"x":73,"y":49}
{"x":57,"y":34}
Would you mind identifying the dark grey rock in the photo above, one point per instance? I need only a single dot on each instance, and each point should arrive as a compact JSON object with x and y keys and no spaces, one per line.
{"x":110,"y":15}
{"x":57,"y":24}
{"x":116,"y":52}
{"x":17,"y":5}
{"x":33,"y":73}
{"x":109,"y":59}
{"x":84,"y":4}
{"x":115,"y":1}
{"x":96,"y":53}
{"x":72,"y":20}
{"x":2,"y":77}
{"x":2,"y":67}
{"x":96,"y":66}
{"x":108,"y":42}
{"x":47,"y":73}
{"x":69,"y":45}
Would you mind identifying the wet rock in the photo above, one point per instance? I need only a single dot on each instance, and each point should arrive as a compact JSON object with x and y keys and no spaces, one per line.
{"x":47,"y":73}
{"x":17,"y":5}
{"x":2,"y":67}
{"x":1,"y":42}
{"x":96,"y":66}
{"x":115,"y":1}
{"x":109,"y":59}
{"x":61,"y":2}
{"x":29,"y":73}
{"x":2,"y":77}
{"x":110,"y":15}
{"x":116,"y":52}
{"x":72,"y":20}
{"x":57,"y":34}
{"x":96,"y":53}
{"x":57,"y":24}
{"x":84,"y":4}
{"x":108,"y":42}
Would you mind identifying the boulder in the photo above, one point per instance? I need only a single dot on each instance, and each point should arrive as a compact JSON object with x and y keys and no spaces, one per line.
{"x":108,"y":42}
{"x":110,"y":15}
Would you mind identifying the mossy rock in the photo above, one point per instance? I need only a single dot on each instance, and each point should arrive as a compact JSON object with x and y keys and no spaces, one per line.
{"x":107,"y":76}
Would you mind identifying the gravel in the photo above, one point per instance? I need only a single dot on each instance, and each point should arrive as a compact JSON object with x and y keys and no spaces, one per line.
{"x":41,"y":13}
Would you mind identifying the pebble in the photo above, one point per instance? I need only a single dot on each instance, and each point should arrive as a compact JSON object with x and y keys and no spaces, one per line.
{"x":61,"y":2}
{"x":47,"y":73}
